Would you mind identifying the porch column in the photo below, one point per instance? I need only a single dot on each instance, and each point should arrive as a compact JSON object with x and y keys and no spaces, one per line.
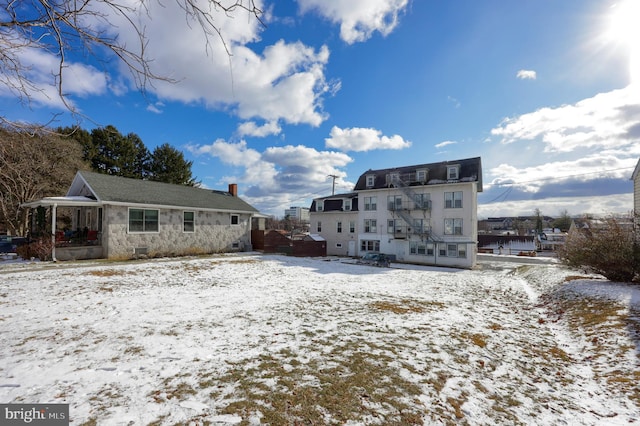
{"x":54,"y":209}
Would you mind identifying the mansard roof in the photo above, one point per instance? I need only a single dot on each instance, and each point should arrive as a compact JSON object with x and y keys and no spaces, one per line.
{"x":470,"y":170}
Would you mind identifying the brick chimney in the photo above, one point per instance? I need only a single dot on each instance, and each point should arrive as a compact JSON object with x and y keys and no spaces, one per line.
{"x":233,"y":189}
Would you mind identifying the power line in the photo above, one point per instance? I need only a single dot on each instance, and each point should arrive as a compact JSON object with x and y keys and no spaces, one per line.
{"x":561,"y":177}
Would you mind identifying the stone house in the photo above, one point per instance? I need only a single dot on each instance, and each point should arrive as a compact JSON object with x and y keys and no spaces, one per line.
{"x":116,"y":217}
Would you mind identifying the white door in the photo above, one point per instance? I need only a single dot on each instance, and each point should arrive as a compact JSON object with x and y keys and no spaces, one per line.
{"x":352,"y":249}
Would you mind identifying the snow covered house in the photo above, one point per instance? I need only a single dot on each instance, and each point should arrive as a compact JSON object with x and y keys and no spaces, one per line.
{"x":425,"y":214}
{"x":115,"y":217}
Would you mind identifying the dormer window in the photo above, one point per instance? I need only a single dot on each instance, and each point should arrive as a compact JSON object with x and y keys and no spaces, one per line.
{"x":371,"y":180}
{"x":393,"y":178}
{"x":421,"y":175}
{"x":453,"y":172}
{"x":347,"y":205}
{"x":319,"y":206}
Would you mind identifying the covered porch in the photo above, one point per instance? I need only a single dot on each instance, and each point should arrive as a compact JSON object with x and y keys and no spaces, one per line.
{"x":74,"y":224}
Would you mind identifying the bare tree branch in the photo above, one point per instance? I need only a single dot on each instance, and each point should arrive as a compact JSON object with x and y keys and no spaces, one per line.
{"x":62,"y":27}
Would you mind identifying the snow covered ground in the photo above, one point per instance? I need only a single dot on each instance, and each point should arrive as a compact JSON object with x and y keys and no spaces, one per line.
{"x":253,"y":339}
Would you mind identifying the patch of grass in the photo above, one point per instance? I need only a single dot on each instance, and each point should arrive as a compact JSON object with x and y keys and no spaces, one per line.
{"x":110,"y":273}
{"x":576,"y":277}
{"x":406,"y":306}
{"x":477,"y":339}
{"x":456,"y":404}
{"x":134,"y":350}
{"x":349,"y":384}
{"x":178,"y":391}
{"x":612,"y":331}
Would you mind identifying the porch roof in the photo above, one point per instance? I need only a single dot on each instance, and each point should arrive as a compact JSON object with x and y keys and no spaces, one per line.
{"x":68,"y":201}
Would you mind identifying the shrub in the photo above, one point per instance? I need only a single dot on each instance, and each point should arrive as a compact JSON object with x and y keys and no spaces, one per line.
{"x":609,"y":249}
{"x":40,"y":249}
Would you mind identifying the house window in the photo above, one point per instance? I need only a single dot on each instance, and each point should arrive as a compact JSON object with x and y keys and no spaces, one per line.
{"x":319,"y":227}
{"x":371,"y":180}
{"x":370,"y":245}
{"x":418,"y":225}
{"x":319,"y":206}
{"x":394,"y":226}
{"x":421,"y":248}
{"x":339,"y":227}
{"x":452,"y":250}
{"x":370,"y":203}
{"x":453,"y":172}
{"x":370,"y":225}
{"x":235,"y":219}
{"x":422,"y":201}
{"x":141,"y":220}
{"x":394,"y":202}
{"x":352,"y":226}
{"x":453,"y":200}
{"x":453,"y":226}
{"x":393,"y":178}
{"x":100,"y":219}
{"x":347,"y":205}
{"x":188,"y":222}
{"x":421,"y":175}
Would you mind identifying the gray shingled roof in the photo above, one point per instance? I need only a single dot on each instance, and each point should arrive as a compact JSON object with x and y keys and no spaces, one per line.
{"x":470,"y":171}
{"x":109,"y":188}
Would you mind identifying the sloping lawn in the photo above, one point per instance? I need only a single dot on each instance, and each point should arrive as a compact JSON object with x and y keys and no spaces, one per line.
{"x":249,"y":339}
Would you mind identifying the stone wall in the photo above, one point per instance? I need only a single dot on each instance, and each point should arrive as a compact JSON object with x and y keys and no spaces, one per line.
{"x":213,"y":233}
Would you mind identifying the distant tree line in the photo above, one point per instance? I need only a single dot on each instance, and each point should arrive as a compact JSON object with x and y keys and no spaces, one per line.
{"x":37,"y":164}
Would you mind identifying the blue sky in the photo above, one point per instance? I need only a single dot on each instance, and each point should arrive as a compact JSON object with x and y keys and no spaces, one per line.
{"x":546,"y":92}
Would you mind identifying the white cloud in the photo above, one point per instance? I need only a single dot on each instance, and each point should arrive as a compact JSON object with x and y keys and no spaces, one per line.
{"x":156,"y":108}
{"x":607,"y":120}
{"x":285,"y":81}
{"x":279,"y":176}
{"x":41,"y":67}
{"x":456,"y":103}
{"x":250,"y":128}
{"x":603,"y":206}
{"x":527,"y":75}
{"x":358,"y":19}
{"x":532,"y":178}
{"x":445,"y":143}
{"x":363,"y":139}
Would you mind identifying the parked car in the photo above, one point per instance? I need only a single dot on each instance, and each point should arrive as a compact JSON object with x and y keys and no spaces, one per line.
{"x":376,"y":259}
{"x":9,"y":244}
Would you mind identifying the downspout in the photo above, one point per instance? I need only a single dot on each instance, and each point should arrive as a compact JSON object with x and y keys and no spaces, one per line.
{"x":53,"y":232}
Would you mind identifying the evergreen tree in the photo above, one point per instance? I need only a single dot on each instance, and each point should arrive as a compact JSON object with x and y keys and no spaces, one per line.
{"x":169,"y":165}
{"x":142,"y":161}
{"x":538,"y":221}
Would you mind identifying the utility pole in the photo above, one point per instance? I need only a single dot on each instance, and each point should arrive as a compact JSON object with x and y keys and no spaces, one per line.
{"x":333,"y":187}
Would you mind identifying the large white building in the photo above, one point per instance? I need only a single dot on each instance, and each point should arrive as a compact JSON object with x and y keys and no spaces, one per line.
{"x":299,"y":213}
{"x":424,"y":214}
